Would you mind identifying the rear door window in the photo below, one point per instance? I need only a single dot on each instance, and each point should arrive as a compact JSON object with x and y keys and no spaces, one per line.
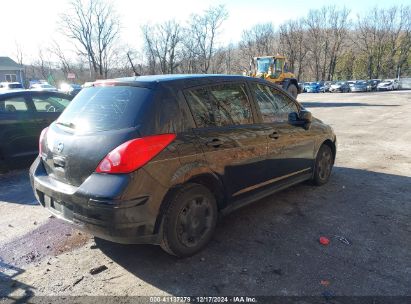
{"x":13,"y":105}
{"x":232,"y":106}
{"x":220,"y":105}
{"x":104,"y":108}
{"x":50,"y":103}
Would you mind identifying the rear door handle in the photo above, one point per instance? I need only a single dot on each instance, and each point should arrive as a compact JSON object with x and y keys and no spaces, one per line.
{"x":215,"y":142}
{"x":274,"y":135}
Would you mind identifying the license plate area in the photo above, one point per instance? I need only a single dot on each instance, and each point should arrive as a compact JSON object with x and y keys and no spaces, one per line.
{"x":58,"y":207}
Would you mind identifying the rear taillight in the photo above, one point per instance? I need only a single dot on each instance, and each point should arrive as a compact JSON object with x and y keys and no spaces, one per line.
{"x":42,"y":135}
{"x":134,"y":154}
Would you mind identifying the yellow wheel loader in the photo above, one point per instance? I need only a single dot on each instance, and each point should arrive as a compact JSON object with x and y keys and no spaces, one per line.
{"x":274,"y":69}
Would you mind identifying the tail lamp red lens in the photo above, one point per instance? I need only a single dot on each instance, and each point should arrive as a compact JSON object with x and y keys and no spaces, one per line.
{"x":134,"y":154}
{"x":42,"y":136}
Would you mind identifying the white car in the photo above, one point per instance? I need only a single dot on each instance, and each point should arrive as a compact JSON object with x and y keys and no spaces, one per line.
{"x":11,"y":86}
{"x":388,"y":85}
{"x":43,"y":87}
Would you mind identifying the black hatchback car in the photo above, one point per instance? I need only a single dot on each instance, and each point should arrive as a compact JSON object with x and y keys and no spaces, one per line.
{"x":155,"y":159}
{"x":23,"y":114}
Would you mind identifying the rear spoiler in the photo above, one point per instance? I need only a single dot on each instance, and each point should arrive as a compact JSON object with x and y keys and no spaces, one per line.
{"x":119,"y":82}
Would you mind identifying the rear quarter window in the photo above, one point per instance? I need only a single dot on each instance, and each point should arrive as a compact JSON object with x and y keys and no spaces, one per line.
{"x":104,"y":108}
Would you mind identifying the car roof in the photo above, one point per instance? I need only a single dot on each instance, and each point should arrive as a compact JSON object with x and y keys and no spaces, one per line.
{"x":177,"y":79}
{"x":33,"y":93}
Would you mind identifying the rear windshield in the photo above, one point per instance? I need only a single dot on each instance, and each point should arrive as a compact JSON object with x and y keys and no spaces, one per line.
{"x":104,"y":108}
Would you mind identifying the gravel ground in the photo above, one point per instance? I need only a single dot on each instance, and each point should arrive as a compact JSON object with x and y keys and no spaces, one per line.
{"x":268,"y":248}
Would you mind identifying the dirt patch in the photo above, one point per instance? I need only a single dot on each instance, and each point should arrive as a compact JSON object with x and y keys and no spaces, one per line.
{"x":53,"y":238}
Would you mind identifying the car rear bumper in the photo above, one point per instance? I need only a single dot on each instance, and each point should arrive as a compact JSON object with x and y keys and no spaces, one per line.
{"x":110,"y":217}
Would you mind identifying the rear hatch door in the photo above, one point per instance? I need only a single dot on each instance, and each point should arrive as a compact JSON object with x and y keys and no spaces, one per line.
{"x":97,"y":120}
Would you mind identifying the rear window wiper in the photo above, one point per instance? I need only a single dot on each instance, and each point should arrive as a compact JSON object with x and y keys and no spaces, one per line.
{"x":67,"y":124}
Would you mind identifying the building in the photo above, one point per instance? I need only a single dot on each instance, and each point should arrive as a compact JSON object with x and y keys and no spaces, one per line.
{"x":10,"y":71}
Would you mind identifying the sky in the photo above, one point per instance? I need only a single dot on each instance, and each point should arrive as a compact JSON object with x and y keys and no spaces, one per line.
{"x":33,"y":24}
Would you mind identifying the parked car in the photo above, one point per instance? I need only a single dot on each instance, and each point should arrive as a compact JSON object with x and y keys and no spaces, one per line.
{"x":340,"y":86}
{"x":10,"y":86}
{"x":372,"y":84}
{"x":23,"y":114}
{"x":351,"y":83}
{"x":388,"y":85}
{"x":326,"y":86}
{"x":70,"y":88}
{"x":301,"y":86}
{"x":314,"y":87}
{"x":306,"y":85}
{"x":43,"y":87}
{"x":155,"y":159}
{"x":397,"y":84}
{"x":360,"y":86}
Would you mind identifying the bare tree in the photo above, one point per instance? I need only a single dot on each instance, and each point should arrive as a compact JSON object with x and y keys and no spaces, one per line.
{"x":398,"y":38}
{"x":316,"y":42}
{"x":339,"y":27}
{"x":44,"y":64}
{"x":189,"y":53}
{"x":372,"y":31}
{"x":19,"y":53}
{"x":130,"y":55}
{"x":162,"y":45}
{"x":94,"y":25}
{"x":204,"y":31}
{"x":65,"y":64}
{"x":20,"y":61}
{"x":259,"y":40}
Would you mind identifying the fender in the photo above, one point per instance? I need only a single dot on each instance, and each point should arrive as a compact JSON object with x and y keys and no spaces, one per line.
{"x":329,"y":142}
{"x":195,"y":172}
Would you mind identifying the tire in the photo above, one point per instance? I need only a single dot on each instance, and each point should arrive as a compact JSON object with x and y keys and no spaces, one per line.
{"x":189,"y":220}
{"x":323,"y":165}
{"x":292,"y":90}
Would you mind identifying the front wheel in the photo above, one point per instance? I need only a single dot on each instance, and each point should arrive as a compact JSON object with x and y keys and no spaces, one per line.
{"x":189,"y":220}
{"x":323,"y":165}
{"x":292,"y":90}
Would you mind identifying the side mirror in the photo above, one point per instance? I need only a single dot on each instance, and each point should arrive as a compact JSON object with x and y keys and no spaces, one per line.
{"x":305,"y":116}
{"x":302,"y":119}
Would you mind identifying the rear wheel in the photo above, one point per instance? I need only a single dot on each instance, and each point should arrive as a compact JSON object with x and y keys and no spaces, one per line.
{"x":323,"y":165}
{"x":189,"y":220}
{"x":292,"y":89}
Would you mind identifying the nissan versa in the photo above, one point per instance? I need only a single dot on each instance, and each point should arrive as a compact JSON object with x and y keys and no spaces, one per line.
{"x":156,"y":159}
